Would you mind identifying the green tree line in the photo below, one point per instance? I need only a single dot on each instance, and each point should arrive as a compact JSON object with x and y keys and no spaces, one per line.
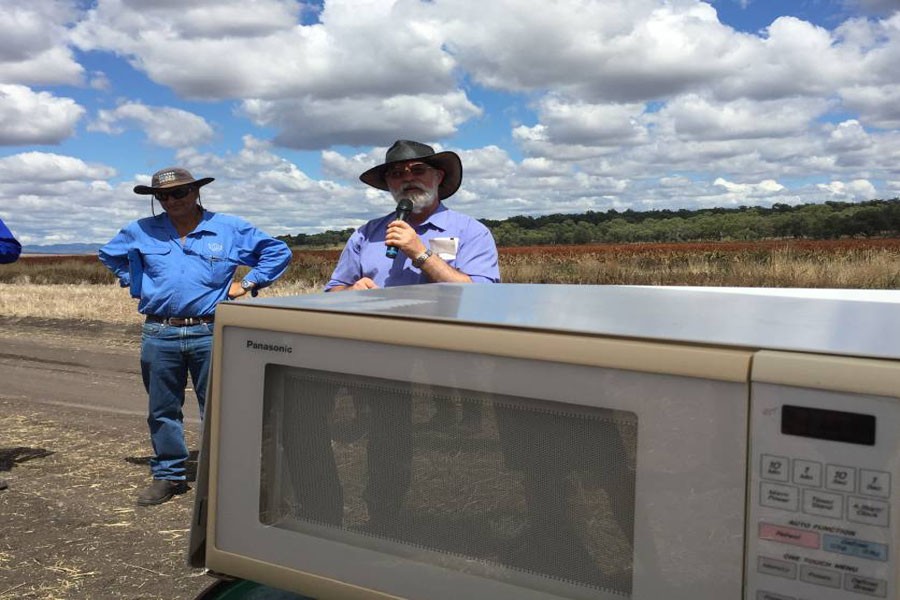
{"x":831,"y":220}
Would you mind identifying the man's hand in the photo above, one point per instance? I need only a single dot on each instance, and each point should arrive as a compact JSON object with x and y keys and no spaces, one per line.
{"x":363,"y":284}
{"x":235,"y":290}
{"x":404,"y":237}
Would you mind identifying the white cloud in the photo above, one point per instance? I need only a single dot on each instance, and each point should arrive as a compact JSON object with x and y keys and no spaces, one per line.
{"x":763,"y":188}
{"x":34,"y":49}
{"x":858,"y":189}
{"x":876,"y":105}
{"x":874,"y":6}
{"x":29,"y":117}
{"x":675,"y":181}
{"x":617,"y":50}
{"x":892,"y":188}
{"x":99,"y":81}
{"x":318,"y":123}
{"x":566,"y":106}
{"x":163,"y":126}
{"x":43,"y":168}
{"x":49,"y":198}
{"x":849,"y":136}
{"x":575,"y":122}
{"x":352,"y":51}
{"x":691,"y":117}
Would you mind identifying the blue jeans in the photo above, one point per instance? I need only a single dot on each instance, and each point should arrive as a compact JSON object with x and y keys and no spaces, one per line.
{"x":168,"y":354}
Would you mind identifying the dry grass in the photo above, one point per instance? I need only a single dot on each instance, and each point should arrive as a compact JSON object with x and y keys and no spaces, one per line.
{"x":779,"y":266}
{"x":80,"y":288}
{"x":89,"y":302}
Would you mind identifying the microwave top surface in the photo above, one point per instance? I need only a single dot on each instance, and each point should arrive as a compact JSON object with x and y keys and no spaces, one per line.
{"x":827,"y":321}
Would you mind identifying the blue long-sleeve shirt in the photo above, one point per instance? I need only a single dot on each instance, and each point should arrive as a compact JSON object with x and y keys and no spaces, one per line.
{"x":10,"y":248}
{"x":189,"y":280}
{"x":463,"y":242}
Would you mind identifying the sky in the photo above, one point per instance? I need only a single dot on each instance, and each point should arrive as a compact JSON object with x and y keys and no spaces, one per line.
{"x":554,"y":106}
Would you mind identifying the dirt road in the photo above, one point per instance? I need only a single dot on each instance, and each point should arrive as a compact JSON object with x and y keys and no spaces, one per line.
{"x":74,"y":448}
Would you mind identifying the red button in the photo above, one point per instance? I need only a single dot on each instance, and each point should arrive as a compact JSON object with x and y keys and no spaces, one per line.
{"x":788,"y":535}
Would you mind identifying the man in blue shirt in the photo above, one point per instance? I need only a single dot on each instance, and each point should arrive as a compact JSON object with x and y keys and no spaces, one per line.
{"x":10,"y":248}
{"x":181,"y":264}
{"x":435,"y":244}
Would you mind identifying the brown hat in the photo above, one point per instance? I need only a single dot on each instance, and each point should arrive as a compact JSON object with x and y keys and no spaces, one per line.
{"x":171,"y":177}
{"x":404,"y":150}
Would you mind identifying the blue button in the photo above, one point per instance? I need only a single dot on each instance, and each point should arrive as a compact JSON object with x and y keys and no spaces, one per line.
{"x":854,"y":547}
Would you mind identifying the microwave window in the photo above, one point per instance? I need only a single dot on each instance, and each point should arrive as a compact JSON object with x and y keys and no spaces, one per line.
{"x":832,"y":425}
{"x":523,"y":490}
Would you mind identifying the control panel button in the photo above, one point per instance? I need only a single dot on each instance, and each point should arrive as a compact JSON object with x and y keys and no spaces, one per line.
{"x":764,"y":595}
{"x":855,"y":547}
{"x":774,"y":495}
{"x":865,"y":585}
{"x":775,"y":468}
{"x":819,"y":576}
{"x":875,"y":483}
{"x":788,"y":535}
{"x":777,"y":568}
{"x":823,"y":504}
{"x":840,"y":478}
{"x":807,"y":472}
{"x":868,"y":511}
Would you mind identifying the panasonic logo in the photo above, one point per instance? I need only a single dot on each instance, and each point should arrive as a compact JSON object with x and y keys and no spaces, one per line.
{"x":269,"y":347}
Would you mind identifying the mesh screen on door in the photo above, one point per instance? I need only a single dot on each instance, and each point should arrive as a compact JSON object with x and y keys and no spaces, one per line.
{"x":485,"y":483}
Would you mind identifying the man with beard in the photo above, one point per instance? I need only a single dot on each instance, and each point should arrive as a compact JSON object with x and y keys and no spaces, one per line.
{"x":435,"y":244}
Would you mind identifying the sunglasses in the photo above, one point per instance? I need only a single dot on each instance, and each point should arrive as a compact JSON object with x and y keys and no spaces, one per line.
{"x":416,"y":170}
{"x":178,"y":194}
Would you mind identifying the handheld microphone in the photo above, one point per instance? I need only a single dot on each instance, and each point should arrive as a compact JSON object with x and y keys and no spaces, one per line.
{"x":404,"y":207}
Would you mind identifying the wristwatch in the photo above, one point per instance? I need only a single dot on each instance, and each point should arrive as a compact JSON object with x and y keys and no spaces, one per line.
{"x":420,"y":259}
{"x":250,"y":287}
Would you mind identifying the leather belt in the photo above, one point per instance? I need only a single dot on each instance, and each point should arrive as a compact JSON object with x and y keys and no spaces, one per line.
{"x":180,"y":321}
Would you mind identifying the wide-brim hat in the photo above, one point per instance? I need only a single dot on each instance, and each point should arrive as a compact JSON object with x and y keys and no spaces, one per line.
{"x":171,"y":177}
{"x":404,"y":150}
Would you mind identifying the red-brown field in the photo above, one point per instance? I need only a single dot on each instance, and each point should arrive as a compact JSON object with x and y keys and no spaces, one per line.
{"x":766,"y":246}
{"x":859,"y":263}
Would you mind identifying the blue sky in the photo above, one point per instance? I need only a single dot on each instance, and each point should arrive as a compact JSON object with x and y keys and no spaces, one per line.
{"x":567,"y":106}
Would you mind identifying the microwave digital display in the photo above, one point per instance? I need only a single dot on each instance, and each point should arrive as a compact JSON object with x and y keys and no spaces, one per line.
{"x":832,"y":425}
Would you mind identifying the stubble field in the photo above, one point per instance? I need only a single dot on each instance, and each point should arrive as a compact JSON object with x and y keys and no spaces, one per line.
{"x":70,"y":529}
{"x":78,"y":287}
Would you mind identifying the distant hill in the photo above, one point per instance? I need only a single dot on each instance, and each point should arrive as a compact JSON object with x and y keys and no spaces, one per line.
{"x":62,"y":249}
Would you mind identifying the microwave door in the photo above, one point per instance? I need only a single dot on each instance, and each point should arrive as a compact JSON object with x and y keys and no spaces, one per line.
{"x":824,"y":495}
{"x":615,"y":470}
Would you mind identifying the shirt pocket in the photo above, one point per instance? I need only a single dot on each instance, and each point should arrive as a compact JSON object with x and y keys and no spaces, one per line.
{"x":154,"y":259}
{"x":218,"y":267}
{"x":445,"y":247}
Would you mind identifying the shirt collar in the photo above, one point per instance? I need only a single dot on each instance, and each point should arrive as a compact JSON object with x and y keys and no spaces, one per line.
{"x":439,"y":218}
{"x":162,"y":222}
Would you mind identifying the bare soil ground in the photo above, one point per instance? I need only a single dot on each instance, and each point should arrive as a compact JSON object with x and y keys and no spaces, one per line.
{"x":69,"y":525}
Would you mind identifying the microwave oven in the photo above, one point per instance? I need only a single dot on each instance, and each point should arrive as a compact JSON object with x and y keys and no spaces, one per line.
{"x":555,"y":442}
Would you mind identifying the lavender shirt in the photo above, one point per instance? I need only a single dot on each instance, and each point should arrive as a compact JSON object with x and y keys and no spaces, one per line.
{"x":363,"y":256}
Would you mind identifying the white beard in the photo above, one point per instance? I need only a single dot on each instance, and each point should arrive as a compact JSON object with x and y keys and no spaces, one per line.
{"x":421,"y":199}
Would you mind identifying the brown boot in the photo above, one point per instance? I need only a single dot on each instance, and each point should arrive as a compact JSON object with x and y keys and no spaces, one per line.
{"x":161,"y":490}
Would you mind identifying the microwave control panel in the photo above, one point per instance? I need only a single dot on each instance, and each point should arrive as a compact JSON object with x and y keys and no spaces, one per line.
{"x":823,"y":495}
